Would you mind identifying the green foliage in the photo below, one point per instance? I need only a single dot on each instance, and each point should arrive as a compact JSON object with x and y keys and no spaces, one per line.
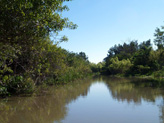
{"x":159,"y":40}
{"x":141,"y":61}
{"x":83,"y":55}
{"x":158,"y":57}
{"x":3,"y":91}
{"x":117,"y":66}
{"x":135,"y":59}
{"x":97,"y":68}
{"x":24,"y":21}
{"x":28,"y":55}
{"x":122,"y":51}
{"x":18,"y":84}
{"x":76,"y":67}
{"x":159,"y":74}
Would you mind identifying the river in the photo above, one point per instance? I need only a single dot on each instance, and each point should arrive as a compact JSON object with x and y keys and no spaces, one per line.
{"x":96,"y":100}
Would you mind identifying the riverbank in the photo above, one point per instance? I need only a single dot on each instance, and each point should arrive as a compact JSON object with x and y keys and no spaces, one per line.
{"x":149,"y":81}
{"x":42,"y":88}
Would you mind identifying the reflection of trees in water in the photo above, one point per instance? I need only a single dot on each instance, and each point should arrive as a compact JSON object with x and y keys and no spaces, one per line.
{"x":42,"y":109}
{"x":126,"y":90}
{"x":162,"y":112}
{"x":134,"y":92}
{"x":161,"y":106}
{"x":53,"y":106}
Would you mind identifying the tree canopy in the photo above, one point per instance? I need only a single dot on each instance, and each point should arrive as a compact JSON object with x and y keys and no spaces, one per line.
{"x":28,"y":54}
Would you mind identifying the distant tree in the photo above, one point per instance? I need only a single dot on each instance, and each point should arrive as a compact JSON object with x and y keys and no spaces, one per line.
{"x":125,"y":51}
{"x":138,"y":57}
{"x":83,"y":55}
{"x":141,"y":61}
{"x":145,"y":44}
{"x":159,"y":40}
{"x":117,"y":66}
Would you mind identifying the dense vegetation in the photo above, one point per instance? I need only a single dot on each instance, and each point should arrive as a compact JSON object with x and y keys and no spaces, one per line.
{"x":134,"y":59}
{"x":28,"y":54}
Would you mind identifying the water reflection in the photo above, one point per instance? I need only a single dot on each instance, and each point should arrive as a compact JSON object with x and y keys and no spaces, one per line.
{"x":136,"y":93}
{"x":124,"y":89}
{"x":101,"y":99}
{"x":42,"y":109}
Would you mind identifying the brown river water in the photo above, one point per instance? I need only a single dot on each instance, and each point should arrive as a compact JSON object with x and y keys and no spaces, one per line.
{"x":96,"y":100}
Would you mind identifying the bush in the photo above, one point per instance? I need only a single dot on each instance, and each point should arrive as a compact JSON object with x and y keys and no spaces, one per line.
{"x":119,"y":67}
{"x":16,"y":85}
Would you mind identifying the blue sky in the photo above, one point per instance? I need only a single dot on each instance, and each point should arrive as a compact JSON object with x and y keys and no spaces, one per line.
{"x":104,"y":23}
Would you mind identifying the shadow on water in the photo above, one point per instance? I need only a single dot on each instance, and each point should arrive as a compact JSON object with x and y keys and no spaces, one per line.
{"x":53,"y":107}
{"x":42,"y":109}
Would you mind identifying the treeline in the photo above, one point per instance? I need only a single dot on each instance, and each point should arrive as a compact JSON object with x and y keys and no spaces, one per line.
{"x":28,"y":54}
{"x":136,"y":59}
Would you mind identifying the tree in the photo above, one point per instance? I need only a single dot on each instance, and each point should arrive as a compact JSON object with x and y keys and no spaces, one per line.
{"x":83,"y":55}
{"x":117,"y":66}
{"x":24,"y":21}
{"x":25,"y":25}
{"x":125,"y":51}
{"x":141,"y":59}
{"x":159,"y":40}
{"x":27,"y":53}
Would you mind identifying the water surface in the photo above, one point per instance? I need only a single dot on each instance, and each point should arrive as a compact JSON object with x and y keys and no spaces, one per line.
{"x":97,"y":100}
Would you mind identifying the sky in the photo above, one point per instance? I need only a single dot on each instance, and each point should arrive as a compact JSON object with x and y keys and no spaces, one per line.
{"x":104,"y":23}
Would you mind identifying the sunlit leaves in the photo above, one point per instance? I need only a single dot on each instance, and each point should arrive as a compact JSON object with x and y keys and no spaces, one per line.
{"x":117,"y":66}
